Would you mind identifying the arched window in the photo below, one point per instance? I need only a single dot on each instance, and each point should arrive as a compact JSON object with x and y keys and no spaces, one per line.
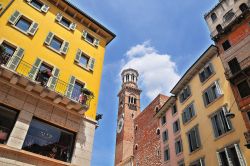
{"x":158,"y":132}
{"x":213,"y":17}
{"x":243,"y":7}
{"x":136,"y":146}
{"x":219,"y":28}
{"x":156,"y":109}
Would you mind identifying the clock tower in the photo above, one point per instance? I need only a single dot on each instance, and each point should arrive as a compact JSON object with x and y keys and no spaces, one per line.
{"x":128,"y":109}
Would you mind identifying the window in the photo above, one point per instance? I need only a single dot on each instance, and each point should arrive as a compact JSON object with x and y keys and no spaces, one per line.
{"x":51,"y":141}
{"x":165,"y":136}
{"x":8,"y":118}
{"x":77,"y":90}
{"x":199,"y":162}
{"x":37,"y":4}
{"x":65,"y":22}
{"x":174,"y":109}
{"x":23,"y":23}
{"x":188,"y":113}
{"x":178,"y":146}
{"x":234,"y":65}
{"x":9,"y":52}
{"x":57,"y":44}
{"x":193,"y":139}
{"x":244,"y":88}
{"x":91,"y":39}
{"x":231,"y":153}
{"x":176,"y":126}
{"x":243,"y":7}
{"x":158,"y":132}
{"x":136,"y":146}
{"x":84,"y":60}
{"x":184,"y":94}
{"x":219,"y":28}
{"x":226,"y":45}
{"x":131,"y":100}
{"x":206,"y":72}
{"x":166,"y":154}
{"x":213,"y":17}
{"x":44,"y":74}
{"x":221,"y":124}
{"x":212,"y":93}
{"x":163,"y":120}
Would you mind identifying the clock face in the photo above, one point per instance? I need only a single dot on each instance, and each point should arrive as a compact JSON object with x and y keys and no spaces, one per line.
{"x":120,"y":125}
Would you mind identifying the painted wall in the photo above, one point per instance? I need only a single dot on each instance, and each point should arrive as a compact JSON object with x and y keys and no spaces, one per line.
{"x":34,"y":46}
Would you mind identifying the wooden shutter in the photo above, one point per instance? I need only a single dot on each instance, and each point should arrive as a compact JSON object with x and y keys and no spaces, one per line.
{"x":229,"y":160}
{"x":227,"y":121}
{"x":91,"y":64}
{"x":65,"y":47}
{"x":78,"y":55}
{"x":15,"y":59}
{"x":59,"y":17}
{"x":96,"y":42}
{"x":45,"y":8}
{"x":204,"y":99}
{"x":14,"y":17}
{"x":216,"y":134}
{"x":84,"y":34}
{"x":54,"y":78}
{"x":70,"y":86}
{"x":240,"y":157}
{"x":35,"y":68}
{"x":200,"y":76}
{"x":49,"y":38}
{"x":72,"y":26}
{"x":219,"y":159}
{"x":33,"y":28}
{"x":218,"y":87}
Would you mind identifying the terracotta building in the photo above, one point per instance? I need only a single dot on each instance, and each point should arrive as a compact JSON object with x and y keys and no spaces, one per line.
{"x":138,"y":133}
{"x":228,"y":22}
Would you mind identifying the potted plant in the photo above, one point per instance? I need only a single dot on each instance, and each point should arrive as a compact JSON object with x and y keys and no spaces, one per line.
{"x":85,"y":96}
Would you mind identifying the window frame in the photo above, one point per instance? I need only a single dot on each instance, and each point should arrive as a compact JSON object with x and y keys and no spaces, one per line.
{"x":59,"y":19}
{"x":179,"y":148}
{"x":209,"y":66}
{"x":176,"y":130}
{"x":185,"y":94}
{"x":44,"y":8}
{"x":65,"y":44}
{"x":165,"y":136}
{"x":166,"y":156}
{"x":96,"y":41}
{"x":174,"y":110}
{"x":163,"y":122}
{"x":197,"y":139}
{"x":186,"y":112}
{"x":248,"y":82}
{"x":212,"y":95}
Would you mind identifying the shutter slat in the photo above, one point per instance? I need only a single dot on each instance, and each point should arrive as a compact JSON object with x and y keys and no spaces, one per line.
{"x":15,"y":59}
{"x":70,"y":86}
{"x":45,"y":8}
{"x":91,"y":64}
{"x":49,"y":38}
{"x":14,"y":17}
{"x":34,"y":69}
{"x":65,"y":47}
{"x":78,"y":55}
{"x":33,"y":28}
{"x":54,"y":78}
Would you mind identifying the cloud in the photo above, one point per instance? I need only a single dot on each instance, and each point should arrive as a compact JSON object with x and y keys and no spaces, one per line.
{"x":157,"y":71}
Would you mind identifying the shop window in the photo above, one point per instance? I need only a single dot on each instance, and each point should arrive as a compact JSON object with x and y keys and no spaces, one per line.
{"x":90,"y":39}
{"x":8,"y":118}
{"x":48,"y":140}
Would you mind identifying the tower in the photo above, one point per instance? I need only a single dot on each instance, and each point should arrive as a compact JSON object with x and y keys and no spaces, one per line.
{"x":128,"y":109}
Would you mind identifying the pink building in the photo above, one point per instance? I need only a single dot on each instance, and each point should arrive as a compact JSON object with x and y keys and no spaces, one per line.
{"x":171,"y":142}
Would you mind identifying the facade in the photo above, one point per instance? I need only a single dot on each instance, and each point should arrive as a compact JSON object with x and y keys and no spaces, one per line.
{"x":228,"y":22}
{"x":206,"y":103}
{"x":147,"y":149}
{"x":51,"y":63}
{"x":171,"y":140}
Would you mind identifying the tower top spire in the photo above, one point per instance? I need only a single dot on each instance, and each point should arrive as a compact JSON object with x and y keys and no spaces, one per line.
{"x":129,"y":76}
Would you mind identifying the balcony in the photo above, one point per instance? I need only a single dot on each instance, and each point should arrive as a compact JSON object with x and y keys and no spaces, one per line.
{"x":242,"y":68}
{"x":46,"y":84}
{"x":229,"y":19}
{"x":247,"y":136}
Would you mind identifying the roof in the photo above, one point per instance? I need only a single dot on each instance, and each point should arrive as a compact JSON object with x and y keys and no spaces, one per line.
{"x":91,"y":19}
{"x":197,"y":65}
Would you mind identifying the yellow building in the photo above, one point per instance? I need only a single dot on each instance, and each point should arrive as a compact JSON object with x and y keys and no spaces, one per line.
{"x":51,"y":65}
{"x":210,"y":133}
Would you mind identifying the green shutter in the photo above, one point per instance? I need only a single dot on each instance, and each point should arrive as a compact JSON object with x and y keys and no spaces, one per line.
{"x":49,"y":38}
{"x":15,"y":59}
{"x":91,"y":64}
{"x":65,"y":47}
{"x":45,"y":8}
{"x":96,"y":42}
{"x":54,"y":78}
{"x":84,"y":34}
{"x":35,"y":68}
{"x":73,"y":26}
{"x":58,"y":17}
{"x":33,"y":28}
{"x":216,"y":134}
{"x":78,"y":55}
{"x":14,"y":17}
{"x":70,"y":86}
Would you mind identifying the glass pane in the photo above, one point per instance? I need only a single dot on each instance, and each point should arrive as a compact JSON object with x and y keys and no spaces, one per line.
{"x":36,"y":4}
{"x":77,"y":91}
{"x":84,"y":60}
{"x":50,"y":141}
{"x":90,"y":38}
{"x":56,"y":44}
{"x":44,"y":74}
{"x":7,"y":121}
{"x":23,"y":24}
{"x":65,"y":22}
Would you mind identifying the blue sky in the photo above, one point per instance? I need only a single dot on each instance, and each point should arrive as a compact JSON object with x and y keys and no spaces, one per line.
{"x":160,"y":38}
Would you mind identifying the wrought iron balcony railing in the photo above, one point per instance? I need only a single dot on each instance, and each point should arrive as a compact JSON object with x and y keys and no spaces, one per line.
{"x":245,"y":63}
{"x":82,"y":96}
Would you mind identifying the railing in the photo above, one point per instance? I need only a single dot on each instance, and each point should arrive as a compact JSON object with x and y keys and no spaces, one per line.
{"x":225,"y":23}
{"x":245,"y":63}
{"x":53,"y":83}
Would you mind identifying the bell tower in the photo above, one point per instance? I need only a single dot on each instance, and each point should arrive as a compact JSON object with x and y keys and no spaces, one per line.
{"x":128,"y":109}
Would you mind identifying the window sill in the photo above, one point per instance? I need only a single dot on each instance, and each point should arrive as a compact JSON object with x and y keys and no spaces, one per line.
{"x":205,"y":81}
{"x":92,"y":44}
{"x":186,"y":99}
{"x":196,"y":150}
{"x":31,"y":155}
{"x":54,"y":50}
{"x":206,"y":106}
{"x":177,"y":132}
{"x":67,"y":28}
{"x":82,"y":66}
{"x":223,"y":135}
{"x":22,"y":31}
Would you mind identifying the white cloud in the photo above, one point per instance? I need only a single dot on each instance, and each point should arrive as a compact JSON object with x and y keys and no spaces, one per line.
{"x":157,"y":71}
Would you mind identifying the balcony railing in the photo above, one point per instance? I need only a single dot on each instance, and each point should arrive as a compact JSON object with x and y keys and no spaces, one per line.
{"x":52,"y":83}
{"x":225,"y":23}
{"x":245,"y":63}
